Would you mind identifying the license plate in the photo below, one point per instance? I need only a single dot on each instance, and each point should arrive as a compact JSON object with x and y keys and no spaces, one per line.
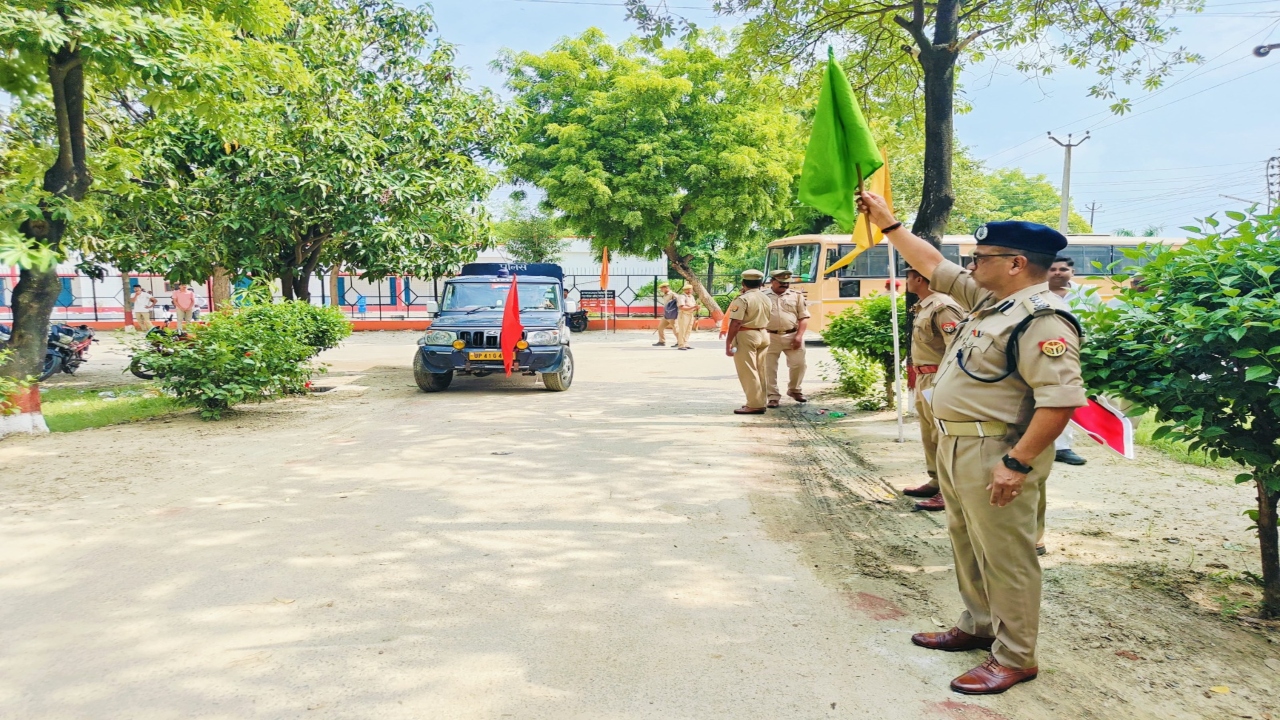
{"x":490,"y":355}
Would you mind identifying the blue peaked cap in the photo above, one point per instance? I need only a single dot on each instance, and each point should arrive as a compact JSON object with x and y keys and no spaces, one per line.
{"x":1022,"y":235}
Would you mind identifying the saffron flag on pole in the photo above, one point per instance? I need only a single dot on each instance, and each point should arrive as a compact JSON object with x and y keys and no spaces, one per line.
{"x":512,"y":330}
{"x":604,"y":269}
{"x":864,"y":235}
{"x":1106,"y":425}
{"x":841,"y":149}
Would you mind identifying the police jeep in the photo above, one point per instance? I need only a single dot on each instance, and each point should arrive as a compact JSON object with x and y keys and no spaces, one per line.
{"x":463,"y":338}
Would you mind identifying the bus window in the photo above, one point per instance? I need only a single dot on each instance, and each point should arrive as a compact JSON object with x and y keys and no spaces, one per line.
{"x":1126,"y":264}
{"x":850,"y":288}
{"x":801,"y":260}
{"x":952,"y":253}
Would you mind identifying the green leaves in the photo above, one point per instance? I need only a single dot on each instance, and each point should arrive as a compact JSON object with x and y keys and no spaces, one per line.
{"x":1259,"y":372}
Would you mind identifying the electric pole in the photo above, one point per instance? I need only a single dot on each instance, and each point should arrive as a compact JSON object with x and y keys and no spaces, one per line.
{"x":1066,"y":178}
{"x":1093,"y":208}
{"x":1273,"y":183}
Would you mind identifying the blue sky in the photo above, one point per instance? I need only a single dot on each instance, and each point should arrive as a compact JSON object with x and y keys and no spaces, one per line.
{"x":1207,"y":134}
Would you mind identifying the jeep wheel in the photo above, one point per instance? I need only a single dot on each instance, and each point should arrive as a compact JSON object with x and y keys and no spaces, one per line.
{"x":561,"y":380}
{"x":427,"y":380}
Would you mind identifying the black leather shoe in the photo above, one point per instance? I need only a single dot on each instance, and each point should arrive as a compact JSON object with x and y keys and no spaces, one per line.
{"x":1069,"y":457}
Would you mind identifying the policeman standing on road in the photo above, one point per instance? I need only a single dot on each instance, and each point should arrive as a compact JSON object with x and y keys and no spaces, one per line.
{"x":788,"y":319}
{"x":665,"y":296}
{"x":1006,"y":388}
{"x":747,"y":342}
{"x":937,"y":317}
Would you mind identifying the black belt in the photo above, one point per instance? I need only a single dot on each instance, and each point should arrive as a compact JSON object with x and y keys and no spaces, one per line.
{"x":783,"y":332}
{"x":748,"y":328}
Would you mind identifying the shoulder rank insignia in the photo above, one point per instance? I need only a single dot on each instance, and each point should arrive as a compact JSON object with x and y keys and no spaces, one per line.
{"x":1054,"y":348}
{"x":948,"y":327}
{"x":1038,"y":303}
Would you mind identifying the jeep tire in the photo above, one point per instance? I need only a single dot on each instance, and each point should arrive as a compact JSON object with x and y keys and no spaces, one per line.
{"x":560,"y":380}
{"x":427,"y":380}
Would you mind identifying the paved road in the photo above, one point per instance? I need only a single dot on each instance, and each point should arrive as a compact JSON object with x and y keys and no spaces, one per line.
{"x":493,"y":551}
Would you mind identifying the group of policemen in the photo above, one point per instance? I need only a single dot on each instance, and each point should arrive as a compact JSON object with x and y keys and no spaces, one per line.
{"x":996,"y":355}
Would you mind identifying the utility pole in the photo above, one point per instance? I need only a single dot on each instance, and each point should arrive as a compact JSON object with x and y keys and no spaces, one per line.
{"x":1093,"y":208}
{"x":1273,"y":183}
{"x":1066,"y":178}
{"x":1265,"y":50}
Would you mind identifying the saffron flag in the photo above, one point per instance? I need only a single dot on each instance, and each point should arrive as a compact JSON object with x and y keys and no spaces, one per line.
{"x":604,"y":269}
{"x":841,"y":149}
{"x":512,"y":330}
{"x":1106,"y":425}
{"x":864,"y":235}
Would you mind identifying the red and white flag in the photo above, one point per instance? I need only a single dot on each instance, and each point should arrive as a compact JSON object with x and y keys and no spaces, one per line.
{"x":512,"y":330}
{"x":1106,"y":425}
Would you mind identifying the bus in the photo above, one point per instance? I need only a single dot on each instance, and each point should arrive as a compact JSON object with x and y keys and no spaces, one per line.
{"x":809,"y":256}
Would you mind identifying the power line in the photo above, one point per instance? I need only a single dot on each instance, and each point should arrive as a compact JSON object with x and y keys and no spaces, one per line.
{"x":1185,"y":97}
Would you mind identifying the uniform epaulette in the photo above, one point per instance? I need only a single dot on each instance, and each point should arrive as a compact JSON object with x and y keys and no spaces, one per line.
{"x":1038,"y":304}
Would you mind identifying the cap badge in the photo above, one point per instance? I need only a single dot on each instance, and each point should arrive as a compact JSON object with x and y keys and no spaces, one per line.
{"x":981,"y":234}
{"x":1054,"y":348}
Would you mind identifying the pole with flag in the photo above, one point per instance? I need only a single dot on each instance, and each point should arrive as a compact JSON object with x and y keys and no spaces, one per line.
{"x":512,"y":333}
{"x":604,"y":285}
{"x":842,"y":154}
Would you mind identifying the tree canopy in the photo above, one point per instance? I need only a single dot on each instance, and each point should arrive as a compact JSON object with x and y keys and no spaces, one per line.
{"x":529,"y":234}
{"x":654,"y":150}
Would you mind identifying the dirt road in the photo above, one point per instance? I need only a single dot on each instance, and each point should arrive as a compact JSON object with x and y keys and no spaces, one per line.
{"x":627,"y":549}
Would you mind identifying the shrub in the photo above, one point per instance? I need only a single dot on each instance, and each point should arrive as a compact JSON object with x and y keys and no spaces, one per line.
{"x":248,"y":354}
{"x":1199,"y":342}
{"x":857,"y":376}
{"x":867,"y":328}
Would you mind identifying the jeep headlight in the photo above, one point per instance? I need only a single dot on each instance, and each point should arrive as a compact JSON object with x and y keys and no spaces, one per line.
{"x":439,"y":337}
{"x":543,"y":337}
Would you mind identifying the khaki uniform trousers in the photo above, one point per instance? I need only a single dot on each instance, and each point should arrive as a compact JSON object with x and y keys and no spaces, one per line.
{"x":750,"y":347}
{"x":663,"y":325}
{"x":928,"y":428}
{"x":684,"y":327}
{"x":779,"y":345}
{"x":995,"y":548}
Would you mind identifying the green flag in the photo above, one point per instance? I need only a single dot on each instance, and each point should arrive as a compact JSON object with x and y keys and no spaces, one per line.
{"x":840,"y":145}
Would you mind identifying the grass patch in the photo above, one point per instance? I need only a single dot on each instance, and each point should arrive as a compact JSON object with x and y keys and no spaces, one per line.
{"x":71,"y":409}
{"x":1176,"y":449}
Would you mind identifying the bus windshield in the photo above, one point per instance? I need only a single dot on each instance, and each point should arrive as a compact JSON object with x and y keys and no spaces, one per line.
{"x":801,"y":260}
{"x":471,"y":296}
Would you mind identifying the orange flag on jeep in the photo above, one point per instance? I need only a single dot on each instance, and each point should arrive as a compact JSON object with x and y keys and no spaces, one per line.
{"x":512,"y":330}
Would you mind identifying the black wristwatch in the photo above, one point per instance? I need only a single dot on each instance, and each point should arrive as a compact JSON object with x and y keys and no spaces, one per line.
{"x":1015,"y":465}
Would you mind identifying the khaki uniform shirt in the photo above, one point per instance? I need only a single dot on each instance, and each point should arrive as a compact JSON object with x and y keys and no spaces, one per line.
{"x":786,"y":310}
{"x":1048,"y":371}
{"x":752,"y":308}
{"x":937,"y":318}
{"x":686,"y":303}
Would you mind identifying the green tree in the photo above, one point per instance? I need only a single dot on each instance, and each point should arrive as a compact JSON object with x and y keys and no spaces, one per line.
{"x":529,"y":234}
{"x":867,"y":328}
{"x":1121,"y":39}
{"x":1032,"y":198}
{"x":50,"y":54}
{"x":654,"y":152}
{"x":1200,"y":343}
{"x":380,"y":163}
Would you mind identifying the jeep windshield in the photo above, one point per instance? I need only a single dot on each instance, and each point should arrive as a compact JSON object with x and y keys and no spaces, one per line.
{"x":477,"y":296}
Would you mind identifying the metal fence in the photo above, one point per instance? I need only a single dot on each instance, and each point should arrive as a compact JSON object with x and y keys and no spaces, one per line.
{"x":87,"y":299}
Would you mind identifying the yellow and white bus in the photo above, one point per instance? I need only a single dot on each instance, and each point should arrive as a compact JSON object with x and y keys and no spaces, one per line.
{"x":808,"y":257}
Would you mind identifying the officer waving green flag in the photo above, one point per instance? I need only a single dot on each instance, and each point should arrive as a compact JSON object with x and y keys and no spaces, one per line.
{"x":841,"y":149}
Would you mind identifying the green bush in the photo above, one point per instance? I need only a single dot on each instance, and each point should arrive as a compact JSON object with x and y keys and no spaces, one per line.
{"x":856,"y":375}
{"x":248,"y":354}
{"x":866,"y":327}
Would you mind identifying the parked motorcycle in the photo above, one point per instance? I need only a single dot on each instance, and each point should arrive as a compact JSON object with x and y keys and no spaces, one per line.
{"x":158,"y":338}
{"x":577,"y":320}
{"x":67,"y":349}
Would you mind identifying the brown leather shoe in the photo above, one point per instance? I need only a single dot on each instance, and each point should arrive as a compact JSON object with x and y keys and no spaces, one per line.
{"x":798,"y":396}
{"x":953,"y":640}
{"x":924,"y":491}
{"x":744,"y":410}
{"x":991,"y":678}
{"x":933,"y":504}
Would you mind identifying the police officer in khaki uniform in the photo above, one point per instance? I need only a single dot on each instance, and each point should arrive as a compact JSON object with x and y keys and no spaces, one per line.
{"x":747,"y":342}
{"x":664,"y":296}
{"x":788,"y":319}
{"x":937,"y":317}
{"x":1004,"y":390}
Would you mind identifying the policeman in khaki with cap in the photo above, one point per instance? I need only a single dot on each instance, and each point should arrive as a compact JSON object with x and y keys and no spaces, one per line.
{"x":1005,"y":389}
{"x":747,"y":342}
{"x":788,"y":319}
{"x":937,"y":318}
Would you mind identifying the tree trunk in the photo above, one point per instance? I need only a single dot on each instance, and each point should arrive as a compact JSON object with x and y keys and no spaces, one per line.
{"x":891,"y":397}
{"x":1267,"y":540}
{"x":220,"y":292}
{"x":37,"y":289}
{"x":691,"y":277}
{"x":286,"y":285}
{"x":334,"y":300}
{"x":937,"y":196}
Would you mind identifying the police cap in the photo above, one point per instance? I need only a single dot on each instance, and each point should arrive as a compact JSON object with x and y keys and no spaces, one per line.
{"x":781,"y":275}
{"x":752,"y":275}
{"x":1022,"y":235}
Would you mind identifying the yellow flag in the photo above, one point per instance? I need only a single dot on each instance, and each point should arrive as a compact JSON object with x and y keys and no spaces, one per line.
{"x":878,"y":184}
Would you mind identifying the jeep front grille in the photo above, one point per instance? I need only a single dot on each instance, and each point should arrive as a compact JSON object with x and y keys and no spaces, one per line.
{"x":478,"y":339}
